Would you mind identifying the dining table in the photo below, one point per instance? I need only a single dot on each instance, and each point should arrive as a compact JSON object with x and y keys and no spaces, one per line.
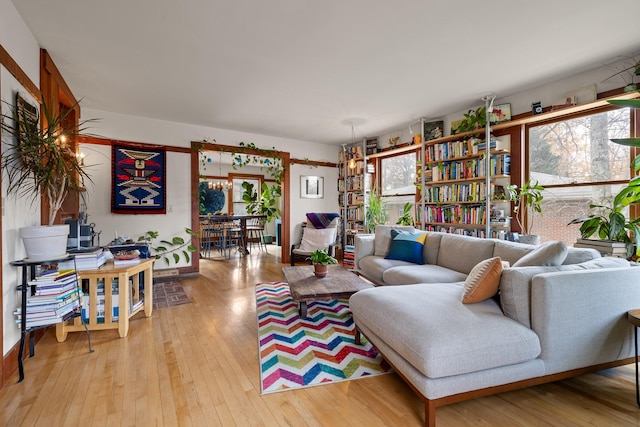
{"x":226,"y":218}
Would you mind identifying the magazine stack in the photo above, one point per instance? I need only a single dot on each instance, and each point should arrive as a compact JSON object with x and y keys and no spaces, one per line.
{"x":54,"y":297}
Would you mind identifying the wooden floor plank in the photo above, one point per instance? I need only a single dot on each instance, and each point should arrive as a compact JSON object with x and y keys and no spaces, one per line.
{"x":197,"y":365}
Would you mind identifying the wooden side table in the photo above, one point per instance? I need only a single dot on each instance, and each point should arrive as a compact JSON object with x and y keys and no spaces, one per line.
{"x":129,"y":301}
{"x":634,"y":318}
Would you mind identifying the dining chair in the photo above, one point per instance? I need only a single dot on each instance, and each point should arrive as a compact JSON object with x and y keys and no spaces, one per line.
{"x":255,"y":233}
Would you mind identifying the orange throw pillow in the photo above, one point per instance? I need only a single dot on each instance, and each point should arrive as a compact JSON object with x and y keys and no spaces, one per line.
{"x":483,"y":281}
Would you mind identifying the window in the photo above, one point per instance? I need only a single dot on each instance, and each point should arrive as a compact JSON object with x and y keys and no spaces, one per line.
{"x":397,"y":181}
{"x":578,"y":165}
{"x":239,"y":206}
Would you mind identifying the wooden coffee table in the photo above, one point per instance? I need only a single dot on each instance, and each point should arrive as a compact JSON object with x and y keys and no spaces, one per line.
{"x":339,"y":283}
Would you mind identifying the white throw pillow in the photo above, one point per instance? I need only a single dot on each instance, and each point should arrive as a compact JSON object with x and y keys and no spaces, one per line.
{"x":317,"y":238}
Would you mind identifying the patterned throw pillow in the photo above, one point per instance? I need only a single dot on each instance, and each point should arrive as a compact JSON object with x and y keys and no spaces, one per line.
{"x":483,"y":281}
{"x":407,"y":246}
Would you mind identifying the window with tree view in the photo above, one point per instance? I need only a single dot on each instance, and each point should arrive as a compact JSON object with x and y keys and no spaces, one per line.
{"x":578,"y":166}
{"x":398,"y":175}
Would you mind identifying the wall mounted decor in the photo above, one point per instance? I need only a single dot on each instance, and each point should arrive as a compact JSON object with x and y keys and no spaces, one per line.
{"x":138,"y":180}
{"x":311,"y":187}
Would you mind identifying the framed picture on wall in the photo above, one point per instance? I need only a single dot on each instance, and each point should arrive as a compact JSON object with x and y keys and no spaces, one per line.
{"x":311,"y":187}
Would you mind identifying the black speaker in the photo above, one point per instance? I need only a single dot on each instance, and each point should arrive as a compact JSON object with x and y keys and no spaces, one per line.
{"x":536,"y":108}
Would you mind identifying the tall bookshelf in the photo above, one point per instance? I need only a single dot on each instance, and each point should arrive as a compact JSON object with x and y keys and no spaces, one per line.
{"x":462,"y":188}
{"x":354,"y":183}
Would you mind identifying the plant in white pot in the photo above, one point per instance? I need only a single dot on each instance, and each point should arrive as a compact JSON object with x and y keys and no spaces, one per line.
{"x":38,"y":160}
{"x":526,"y":202}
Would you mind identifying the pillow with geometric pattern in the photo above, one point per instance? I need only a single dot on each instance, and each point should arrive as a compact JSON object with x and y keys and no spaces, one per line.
{"x":406,"y":246}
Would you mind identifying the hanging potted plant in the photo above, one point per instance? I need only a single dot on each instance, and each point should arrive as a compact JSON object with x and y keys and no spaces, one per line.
{"x":41,"y":162}
{"x":320,"y":259}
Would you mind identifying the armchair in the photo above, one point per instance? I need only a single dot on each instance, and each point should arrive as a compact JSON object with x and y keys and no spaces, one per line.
{"x":319,"y":233}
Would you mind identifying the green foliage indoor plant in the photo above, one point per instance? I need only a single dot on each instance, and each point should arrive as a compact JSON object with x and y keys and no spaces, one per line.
{"x":376,"y":212}
{"x":38,"y":159}
{"x":610,"y":223}
{"x":527,"y":201}
{"x":169,"y":250}
{"x":42,"y":162}
{"x":406,"y":218}
{"x":473,"y":120}
{"x":265,"y":204}
{"x":320,"y":259}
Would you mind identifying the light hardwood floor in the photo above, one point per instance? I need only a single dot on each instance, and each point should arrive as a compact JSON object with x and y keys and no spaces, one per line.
{"x":197,"y":365}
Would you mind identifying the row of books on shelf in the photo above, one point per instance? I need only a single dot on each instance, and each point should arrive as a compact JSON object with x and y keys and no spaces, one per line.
{"x":456,"y":192}
{"x":468,"y":169}
{"x":351,"y":152}
{"x":355,"y":183}
{"x":354,"y":213}
{"x":456,"y":214}
{"x":52,"y":296}
{"x":461,"y":148}
{"x":352,"y":198}
{"x":474,"y":232}
{"x":353,"y":227}
{"x":355,"y":167}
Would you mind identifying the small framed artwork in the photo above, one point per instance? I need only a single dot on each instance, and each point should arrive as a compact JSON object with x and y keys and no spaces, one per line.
{"x":433,"y":130}
{"x":501,"y":113}
{"x":311,"y":187}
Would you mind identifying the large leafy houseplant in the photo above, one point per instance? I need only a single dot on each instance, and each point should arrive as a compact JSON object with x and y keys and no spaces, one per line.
{"x":265,"y":204}
{"x":610,"y":223}
{"x":41,"y":162}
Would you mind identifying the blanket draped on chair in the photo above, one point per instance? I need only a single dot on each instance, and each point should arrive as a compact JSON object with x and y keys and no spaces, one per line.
{"x":321,"y":220}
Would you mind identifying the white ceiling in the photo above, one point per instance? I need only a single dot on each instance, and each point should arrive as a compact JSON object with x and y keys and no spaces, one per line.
{"x":305,"y":69}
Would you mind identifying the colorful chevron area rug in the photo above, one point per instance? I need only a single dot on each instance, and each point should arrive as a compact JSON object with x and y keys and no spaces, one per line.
{"x":320,"y":349}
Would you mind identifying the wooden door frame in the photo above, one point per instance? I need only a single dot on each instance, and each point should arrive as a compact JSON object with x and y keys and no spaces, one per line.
{"x":196,"y":147}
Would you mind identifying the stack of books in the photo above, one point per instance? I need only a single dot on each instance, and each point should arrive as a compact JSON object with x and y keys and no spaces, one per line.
{"x":348,"y":257}
{"x":86,"y":261}
{"x":101,"y":303}
{"x":55,"y":298}
{"x":605,"y":247}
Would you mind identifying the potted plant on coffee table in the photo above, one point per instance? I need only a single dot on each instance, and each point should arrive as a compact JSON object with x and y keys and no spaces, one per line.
{"x":41,"y":162}
{"x":320,"y":259}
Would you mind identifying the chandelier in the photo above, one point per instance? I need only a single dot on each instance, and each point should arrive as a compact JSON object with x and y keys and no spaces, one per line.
{"x":220,"y":185}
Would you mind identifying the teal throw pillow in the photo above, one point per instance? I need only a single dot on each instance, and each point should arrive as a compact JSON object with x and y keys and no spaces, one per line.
{"x":406,"y":246}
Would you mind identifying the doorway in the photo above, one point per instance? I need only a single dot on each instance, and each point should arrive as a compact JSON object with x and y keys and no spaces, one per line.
{"x":201,"y":146}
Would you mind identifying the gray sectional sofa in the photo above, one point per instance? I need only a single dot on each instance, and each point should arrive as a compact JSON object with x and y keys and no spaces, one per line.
{"x":562,"y":318}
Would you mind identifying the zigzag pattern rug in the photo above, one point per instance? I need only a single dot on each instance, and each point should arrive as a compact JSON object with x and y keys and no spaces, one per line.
{"x":317,"y":350}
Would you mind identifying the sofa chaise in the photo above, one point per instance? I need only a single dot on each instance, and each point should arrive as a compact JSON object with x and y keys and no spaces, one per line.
{"x":559,"y":312}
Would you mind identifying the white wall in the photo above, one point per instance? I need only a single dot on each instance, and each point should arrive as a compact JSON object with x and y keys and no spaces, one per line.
{"x":139,"y":129}
{"x":18,"y":41}
{"x":300,"y":206}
